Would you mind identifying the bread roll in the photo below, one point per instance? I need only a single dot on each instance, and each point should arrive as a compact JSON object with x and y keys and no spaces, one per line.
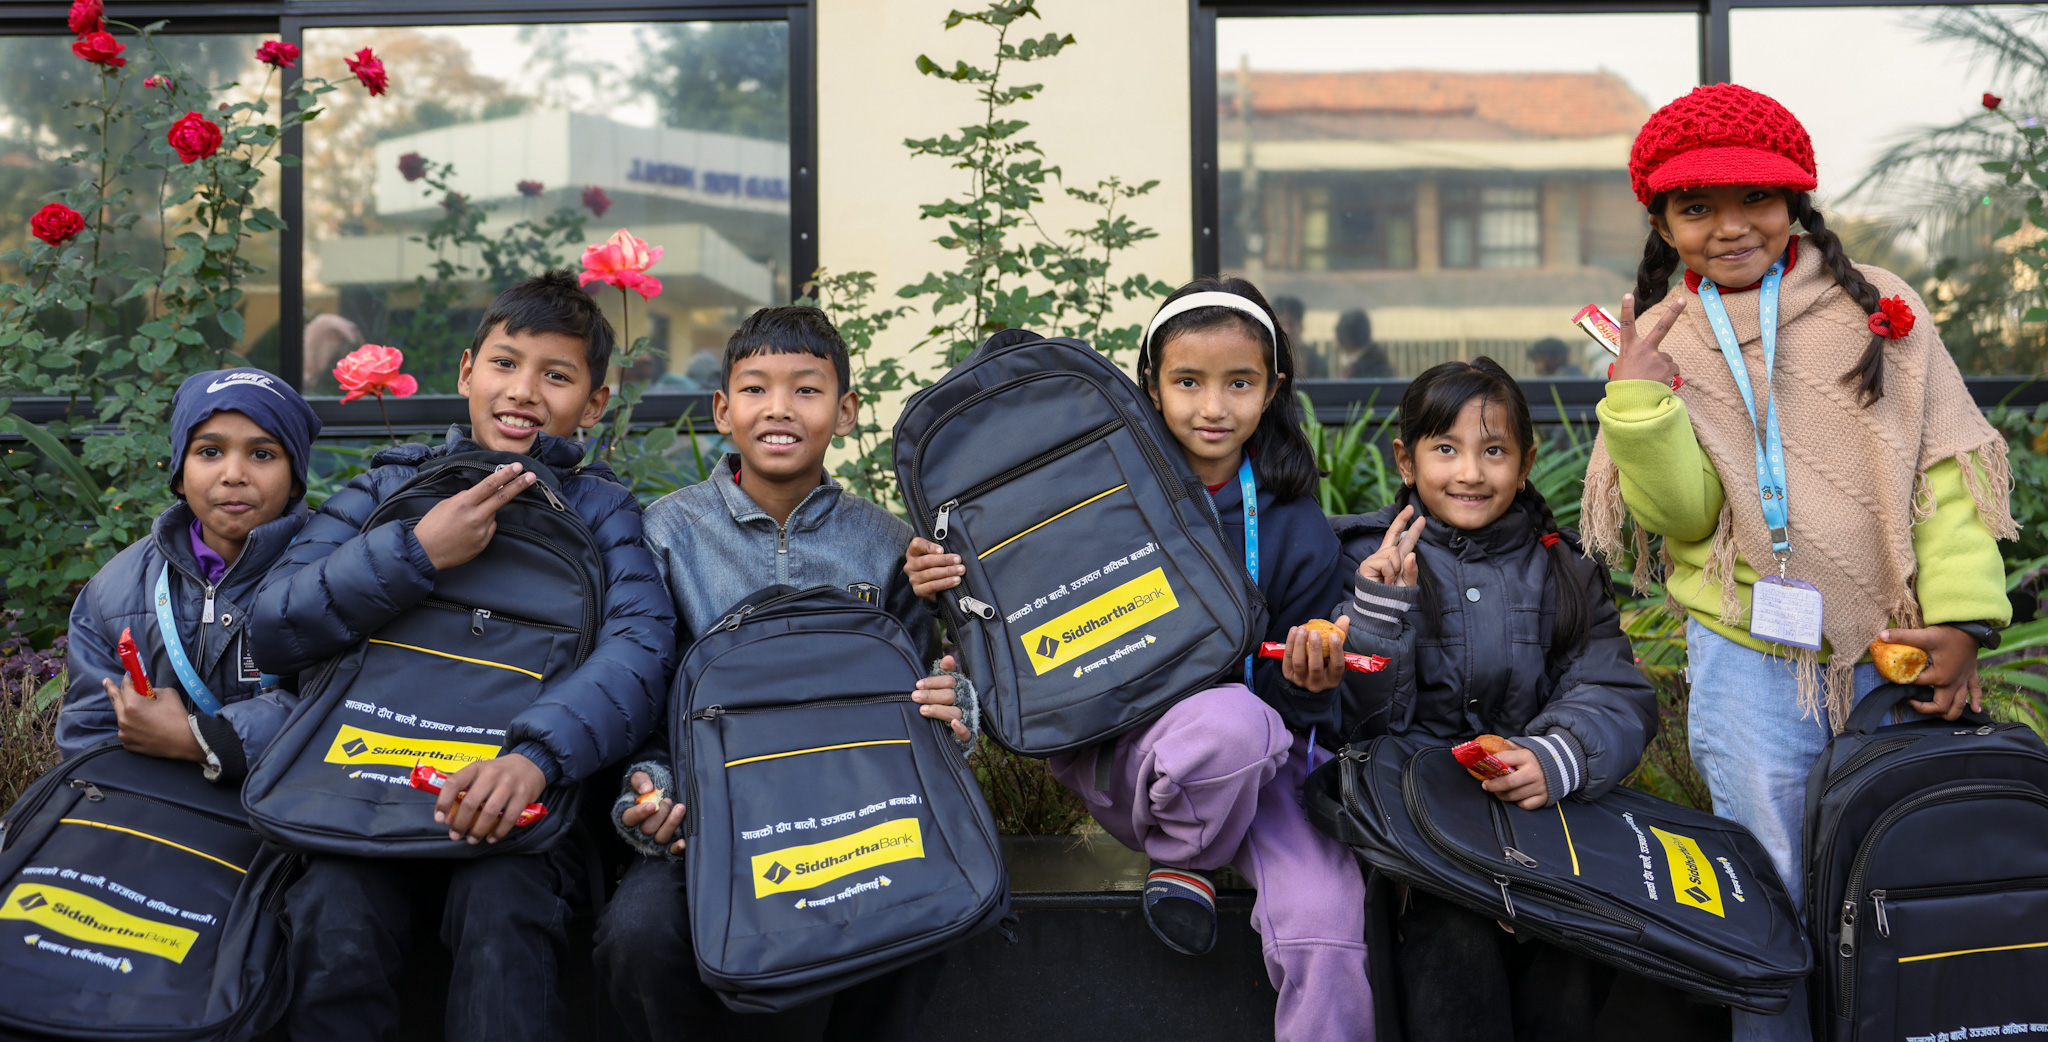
{"x":650,"y":796}
{"x":1333,"y":638}
{"x":1898,"y":663}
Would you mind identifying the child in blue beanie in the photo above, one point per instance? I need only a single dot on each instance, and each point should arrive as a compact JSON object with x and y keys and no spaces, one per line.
{"x":239,"y":443}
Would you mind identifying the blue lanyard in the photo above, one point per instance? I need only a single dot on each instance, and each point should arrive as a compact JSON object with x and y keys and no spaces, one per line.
{"x":1250,"y":489}
{"x":195,"y":688}
{"x":1770,"y":449}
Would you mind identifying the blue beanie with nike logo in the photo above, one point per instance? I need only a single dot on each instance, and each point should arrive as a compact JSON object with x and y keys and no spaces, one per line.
{"x":260,"y":396}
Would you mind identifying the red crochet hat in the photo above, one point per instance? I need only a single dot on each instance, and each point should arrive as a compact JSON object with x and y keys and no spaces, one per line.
{"x":1720,"y":135}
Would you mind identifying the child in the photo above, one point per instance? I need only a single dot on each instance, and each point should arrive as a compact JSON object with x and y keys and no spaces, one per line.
{"x":534,"y":375}
{"x":1216,"y":779}
{"x":767,"y":514}
{"x":240,"y":438}
{"x":1886,"y":465}
{"x":1495,"y":625}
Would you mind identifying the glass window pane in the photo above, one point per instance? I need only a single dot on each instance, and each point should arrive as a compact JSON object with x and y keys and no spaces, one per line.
{"x":502,"y":150}
{"x":39,"y":80}
{"x":1434,"y":187}
{"x":1876,"y":95}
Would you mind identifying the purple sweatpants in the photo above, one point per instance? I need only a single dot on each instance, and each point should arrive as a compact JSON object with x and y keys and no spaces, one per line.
{"x":1215,"y":781}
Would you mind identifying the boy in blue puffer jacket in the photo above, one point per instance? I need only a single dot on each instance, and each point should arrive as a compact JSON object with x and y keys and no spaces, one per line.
{"x":534,"y":376}
{"x":239,"y":439}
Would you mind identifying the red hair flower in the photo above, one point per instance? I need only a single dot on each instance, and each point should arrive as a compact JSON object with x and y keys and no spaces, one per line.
{"x":87,"y":17}
{"x":194,"y":136}
{"x":372,"y":369}
{"x":100,"y":48}
{"x":369,"y":70}
{"x":56,"y":224}
{"x":596,"y":200}
{"x":1893,"y":319}
{"x":1991,"y":101}
{"x":277,"y":53}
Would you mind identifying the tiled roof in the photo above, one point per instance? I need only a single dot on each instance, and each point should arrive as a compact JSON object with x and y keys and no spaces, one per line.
{"x":1520,"y":104}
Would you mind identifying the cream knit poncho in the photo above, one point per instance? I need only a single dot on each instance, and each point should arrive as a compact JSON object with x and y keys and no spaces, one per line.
{"x":1856,"y":478}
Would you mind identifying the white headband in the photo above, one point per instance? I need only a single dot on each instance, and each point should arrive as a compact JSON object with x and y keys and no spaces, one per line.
{"x":1210,"y":299}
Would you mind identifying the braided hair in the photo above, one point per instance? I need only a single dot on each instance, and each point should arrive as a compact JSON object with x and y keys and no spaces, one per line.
{"x":1430,"y":407}
{"x":1660,"y":262}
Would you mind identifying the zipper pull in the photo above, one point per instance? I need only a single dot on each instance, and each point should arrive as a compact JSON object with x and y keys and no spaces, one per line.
{"x":1518,"y":857}
{"x":974,"y":607}
{"x":1848,"y":946}
{"x":712,"y":713}
{"x":1504,"y":898}
{"x":92,"y":792}
{"x":553,"y":500}
{"x":732,"y":622}
{"x":939,"y":526}
{"x":476,"y":620}
{"x":207,"y":614}
{"x":1884,"y":926}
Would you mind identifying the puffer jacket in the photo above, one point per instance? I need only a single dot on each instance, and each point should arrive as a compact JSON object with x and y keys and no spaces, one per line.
{"x":338,"y":584}
{"x":1487,"y":668}
{"x":122,"y":596}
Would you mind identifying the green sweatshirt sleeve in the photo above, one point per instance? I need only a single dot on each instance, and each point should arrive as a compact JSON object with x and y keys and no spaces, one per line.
{"x":1667,"y":481}
{"x":1962,"y":576}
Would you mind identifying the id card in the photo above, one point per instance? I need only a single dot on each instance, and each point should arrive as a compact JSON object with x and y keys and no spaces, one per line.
{"x":1785,"y":611}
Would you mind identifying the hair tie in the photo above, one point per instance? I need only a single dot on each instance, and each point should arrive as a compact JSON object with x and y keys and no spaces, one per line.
{"x":1211,"y":299}
{"x":1551,"y":538}
{"x":1893,"y":318}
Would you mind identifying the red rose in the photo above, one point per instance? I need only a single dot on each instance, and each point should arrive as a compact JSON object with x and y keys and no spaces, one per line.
{"x":1894,"y":318}
{"x":531,"y":189}
{"x":1991,"y":101}
{"x":194,"y":136}
{"x":100,"y":48}
{"x":596,"y":200}
{"x":369,"y":70}
{"x":87,"y":17}
{"x":277,"y":53}
{"x":56,"y":223}
{"x":412,"y":165}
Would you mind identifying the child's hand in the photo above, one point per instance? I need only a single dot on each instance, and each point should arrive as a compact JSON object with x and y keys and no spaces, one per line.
{"x":459,"y":527}
{"x":658,"y":820}
{"x":1641,"y":358}
{"x":1951,"y":669}
{"x":1313,"y":662}
{"x":936,"y":696}
{"x":153,"y":726}
{"x":497,"y":791}
{"x":1525,"y":787}
{"x":1394,"y":563}
{"x":931,"y":568}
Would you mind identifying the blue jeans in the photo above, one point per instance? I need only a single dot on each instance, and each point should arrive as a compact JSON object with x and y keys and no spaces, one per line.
{"x":1755,"y":751}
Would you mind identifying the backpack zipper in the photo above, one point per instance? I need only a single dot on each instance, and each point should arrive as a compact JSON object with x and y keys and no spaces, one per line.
{"x":1051,"y":455}
{"x":713,"y":712}
{"x":1879,"y":897}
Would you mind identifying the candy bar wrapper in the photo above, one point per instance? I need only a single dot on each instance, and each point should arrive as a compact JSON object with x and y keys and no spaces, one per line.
{"x":427,"y":779}
{"x":1601,"y":326}
{"x":131,"y":658}
{"x":1353,"y":661}
{"x":1480,"y":762}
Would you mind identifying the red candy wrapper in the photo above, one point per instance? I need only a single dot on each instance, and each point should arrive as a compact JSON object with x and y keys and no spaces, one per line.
{"x":1601,"y":326}
{"x":1477,"y":760}
{"x":1353,"y":661}
{"x":132,"y":659}
{"x":427,"y":779}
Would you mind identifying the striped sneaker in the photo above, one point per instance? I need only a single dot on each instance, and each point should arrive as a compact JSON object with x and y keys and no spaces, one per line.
{"x":1180,"y":907}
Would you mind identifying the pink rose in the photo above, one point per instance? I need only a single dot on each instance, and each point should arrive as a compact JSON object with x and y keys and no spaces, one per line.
{"x":277,"y":53}
{"x":157,"y":81}
{"x":194,"y":136}
{"x":373,"y":370}
{"x":369,"y":70}
{"x":56,"y":224}
{"x":622,"y":261}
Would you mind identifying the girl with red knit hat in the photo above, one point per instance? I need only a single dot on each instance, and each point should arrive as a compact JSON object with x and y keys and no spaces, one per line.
{"x":1791,"y":425}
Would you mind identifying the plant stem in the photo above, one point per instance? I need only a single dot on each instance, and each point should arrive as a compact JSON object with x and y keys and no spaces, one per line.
{"x":393,"y":435}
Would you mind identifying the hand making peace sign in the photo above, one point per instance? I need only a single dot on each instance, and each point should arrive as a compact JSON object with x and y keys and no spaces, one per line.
{"x":1394,"y":563}
{"x":1641,"y":356}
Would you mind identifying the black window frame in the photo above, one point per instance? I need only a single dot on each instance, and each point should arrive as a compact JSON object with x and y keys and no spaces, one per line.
{"x":289,"y":19}
{"x":1334,"y":400}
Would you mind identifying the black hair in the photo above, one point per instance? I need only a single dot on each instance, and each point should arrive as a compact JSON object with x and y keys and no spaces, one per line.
{"x":1354,"y":327}
{"x":1430,"y":407}
{"x":791,"y":329}
{"x":1549,"y":347}
{"x":1291,"y":307}
{"x":1284,"y":462}
{"x":1661,"y":261}
{"x":552,"y":302}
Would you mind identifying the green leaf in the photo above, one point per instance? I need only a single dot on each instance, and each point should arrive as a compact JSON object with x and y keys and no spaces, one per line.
{"x":2036,"y":313}
{"x":287,"y":159}
{"x":2011,"y":225}
{"x":230,"y":323}
{"x":57,"y":451}
{"x":1998,"y":167}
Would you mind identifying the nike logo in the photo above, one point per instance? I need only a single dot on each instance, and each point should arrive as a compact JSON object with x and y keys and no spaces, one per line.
{"x":256,"y":379}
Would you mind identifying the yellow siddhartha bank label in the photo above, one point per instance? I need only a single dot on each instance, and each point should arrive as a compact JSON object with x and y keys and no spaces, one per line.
{"x":89,"y":919}
{"x":801,"y":868}
{"x":1097,"y":622}
{"x":356,"y":747}
{"x":1692,"y":875}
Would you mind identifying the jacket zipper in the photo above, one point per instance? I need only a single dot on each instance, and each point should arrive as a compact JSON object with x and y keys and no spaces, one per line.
{"x":1879,"y":897}
{"x":1845,"y":976}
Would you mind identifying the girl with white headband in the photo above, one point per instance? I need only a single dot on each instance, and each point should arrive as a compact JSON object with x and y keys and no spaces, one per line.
{"x":1216,"y":779}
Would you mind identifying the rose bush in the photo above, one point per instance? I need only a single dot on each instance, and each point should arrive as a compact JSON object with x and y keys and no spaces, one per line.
{"x":194,"y":136}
